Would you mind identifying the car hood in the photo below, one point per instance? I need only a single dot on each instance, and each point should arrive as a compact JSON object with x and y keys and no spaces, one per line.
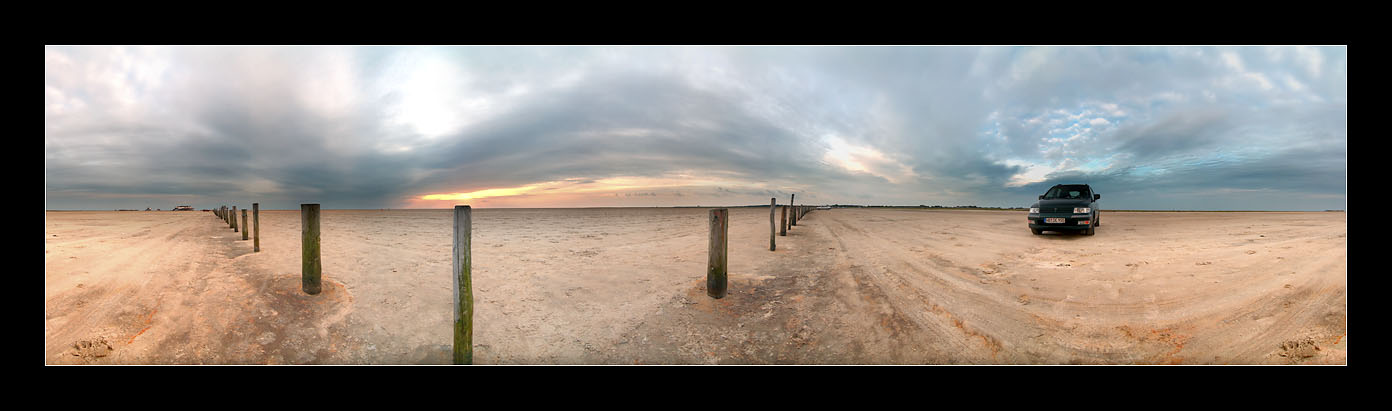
{"x":1063,"y":203}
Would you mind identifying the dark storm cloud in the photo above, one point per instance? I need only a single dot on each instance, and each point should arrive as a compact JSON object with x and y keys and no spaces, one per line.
{"x":629,"y":124}
{"x":1180,"y":132}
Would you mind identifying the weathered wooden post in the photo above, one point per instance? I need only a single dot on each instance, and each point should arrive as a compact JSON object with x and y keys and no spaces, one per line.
{"x":234,"y":218}
{"x":773,"y":226}
{"x":792,"y":219}
{"x":783,"y":221}
{"x":310,"y":267}
{"x":463,"y":288}
{"x":244,"y":224}
{"x":716,"y":265}
{"x":256,"y":227}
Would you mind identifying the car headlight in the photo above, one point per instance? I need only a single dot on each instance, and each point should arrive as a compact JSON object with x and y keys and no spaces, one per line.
{"x":1034,"y":210}
{"x":1082,"y":210}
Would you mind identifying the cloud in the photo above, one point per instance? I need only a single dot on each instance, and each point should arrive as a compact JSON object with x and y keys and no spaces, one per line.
{"x":374,"y":127}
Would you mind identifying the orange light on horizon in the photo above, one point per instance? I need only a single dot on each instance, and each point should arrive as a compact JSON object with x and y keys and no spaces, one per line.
{"x":571,"y":190}
{"x":492,"y":192}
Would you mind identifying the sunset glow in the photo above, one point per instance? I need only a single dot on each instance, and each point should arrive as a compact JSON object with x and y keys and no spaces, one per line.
{"x":605,"y":192}
{"x":492,"y":192}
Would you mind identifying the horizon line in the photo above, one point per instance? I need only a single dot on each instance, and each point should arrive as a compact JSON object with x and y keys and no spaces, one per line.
{"x":962,"y":207}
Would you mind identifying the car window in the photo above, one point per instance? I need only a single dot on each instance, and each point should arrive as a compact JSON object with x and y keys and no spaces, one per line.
{"x":1069,"y":193}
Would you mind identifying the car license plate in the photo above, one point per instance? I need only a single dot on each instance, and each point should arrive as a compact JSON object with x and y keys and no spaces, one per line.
{"x":1054,"y":220}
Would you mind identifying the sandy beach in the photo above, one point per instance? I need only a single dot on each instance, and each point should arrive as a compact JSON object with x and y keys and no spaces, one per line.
{"x":627,"y":286}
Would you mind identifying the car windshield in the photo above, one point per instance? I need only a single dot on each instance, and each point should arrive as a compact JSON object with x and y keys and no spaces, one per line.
{"x":1067,"y":193}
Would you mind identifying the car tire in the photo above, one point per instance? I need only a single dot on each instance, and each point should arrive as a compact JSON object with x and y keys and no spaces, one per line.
{"x":1036,"y":231}
{"x":1090,"y":231}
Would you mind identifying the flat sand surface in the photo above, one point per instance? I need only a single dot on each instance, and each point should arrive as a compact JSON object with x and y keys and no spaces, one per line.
{"x":627,"y":286}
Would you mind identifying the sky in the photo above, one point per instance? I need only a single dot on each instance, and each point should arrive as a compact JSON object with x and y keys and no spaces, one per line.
{"x":1155,"y":128}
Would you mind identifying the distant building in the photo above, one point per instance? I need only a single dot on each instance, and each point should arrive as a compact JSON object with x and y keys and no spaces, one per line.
{"x":183,"y":208}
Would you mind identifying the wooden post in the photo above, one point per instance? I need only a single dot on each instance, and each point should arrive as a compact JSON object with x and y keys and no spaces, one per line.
{"x":244,"y":224}
{"x":773,"y":226}
{"x":783,"y":221}
{"x":715,"y":268}
{"x":792,"y":219}
{"x":463,"y":287}
{"x":234,"y":218}
{"x":256,"y":227}
{"x":310,"y":267}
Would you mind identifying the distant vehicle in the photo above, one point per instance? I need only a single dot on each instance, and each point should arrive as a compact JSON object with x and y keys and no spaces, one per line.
{"x":1066,"y":207}
{"x":183,"y":208}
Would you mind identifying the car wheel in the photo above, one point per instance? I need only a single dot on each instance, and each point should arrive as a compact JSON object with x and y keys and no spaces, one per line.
{"x":1090,"y":231}
{"x":1036,"y":231}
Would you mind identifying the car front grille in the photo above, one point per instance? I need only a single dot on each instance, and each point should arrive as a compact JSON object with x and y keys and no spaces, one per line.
{"x":1056,"y":209}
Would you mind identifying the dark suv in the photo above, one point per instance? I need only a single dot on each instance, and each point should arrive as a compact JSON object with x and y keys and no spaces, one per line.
{"x":1066,"y":207}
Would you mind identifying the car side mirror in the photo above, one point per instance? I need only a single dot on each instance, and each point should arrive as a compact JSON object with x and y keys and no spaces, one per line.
{"x":1096,"y":197}
{"x":1041,"y":196}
